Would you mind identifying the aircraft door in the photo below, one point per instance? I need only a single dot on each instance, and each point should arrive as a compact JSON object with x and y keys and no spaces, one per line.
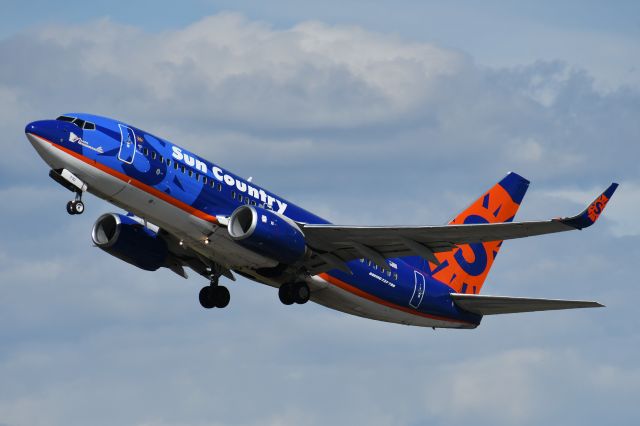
{"x":418,"y":290}
{"x":127,"y":144}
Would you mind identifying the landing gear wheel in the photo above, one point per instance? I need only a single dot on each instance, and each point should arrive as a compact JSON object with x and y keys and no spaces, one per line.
{"x":222,"y":296}
{"x":206,"y":298}
{"x":286,"y":294}
{"x":214,"y":297}
{"x":78,"y":206}
{"x":301,"y":293}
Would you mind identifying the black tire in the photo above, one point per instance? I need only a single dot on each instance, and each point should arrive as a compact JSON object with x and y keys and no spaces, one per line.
{"x":70,"y":208}
{"x":206,"y":298}
{"x":222,"y":296}
{"x":285,"y":293}
{"x":301,"y":293}
{"x":78,"y":206}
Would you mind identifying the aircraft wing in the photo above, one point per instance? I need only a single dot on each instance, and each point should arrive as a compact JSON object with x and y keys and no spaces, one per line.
{"x":492,"y":305}
{"x":333,"y":245}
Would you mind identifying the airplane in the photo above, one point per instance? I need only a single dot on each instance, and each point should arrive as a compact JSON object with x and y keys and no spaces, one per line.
{"x":184,"y":211}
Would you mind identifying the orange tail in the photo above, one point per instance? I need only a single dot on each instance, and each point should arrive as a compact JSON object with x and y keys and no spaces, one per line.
{"x":466,"y":268}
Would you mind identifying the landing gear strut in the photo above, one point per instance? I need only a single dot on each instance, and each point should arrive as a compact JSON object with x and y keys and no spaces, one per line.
{"x":76,"y":206}
{"x":214,"y":295}
{"x":70,"y":181}
{"x":290,"y":293}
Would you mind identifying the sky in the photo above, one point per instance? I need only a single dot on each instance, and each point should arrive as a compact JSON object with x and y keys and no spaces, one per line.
{"x":389,"y":113}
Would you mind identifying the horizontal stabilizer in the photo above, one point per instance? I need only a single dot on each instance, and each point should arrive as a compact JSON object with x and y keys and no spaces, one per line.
{"x":492,"y":305}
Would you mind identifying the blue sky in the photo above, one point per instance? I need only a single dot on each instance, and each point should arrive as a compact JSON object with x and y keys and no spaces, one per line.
{"x":393,"y":113}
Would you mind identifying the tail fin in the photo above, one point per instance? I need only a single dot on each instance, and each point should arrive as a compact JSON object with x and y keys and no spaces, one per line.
{"x":465,"y":268}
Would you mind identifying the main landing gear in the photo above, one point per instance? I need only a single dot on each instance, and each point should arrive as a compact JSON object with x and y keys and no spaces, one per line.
{"x":214,"y":295}
{"x":290,"y":293}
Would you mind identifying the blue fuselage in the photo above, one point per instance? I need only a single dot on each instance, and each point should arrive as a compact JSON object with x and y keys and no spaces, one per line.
{"x":202,"y":189}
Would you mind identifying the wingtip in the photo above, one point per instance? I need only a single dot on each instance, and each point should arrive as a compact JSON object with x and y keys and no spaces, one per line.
{"x":593,"y":211}
{"x":611,"y":189}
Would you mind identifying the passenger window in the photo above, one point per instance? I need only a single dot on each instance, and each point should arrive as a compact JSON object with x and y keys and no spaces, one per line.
{"x":175,"y":166}
{"x":204,"y":180}
{"x":153,"y":155}
{"x":395,"y":276}
{"x":184,"y":169}
{"x":146,"y":152}
{"x":219,"y":187}
{"x":169,"y":162}
{"x":388,"y":273}
{"x":197,"y":177}
{"x":253,"y":203}
{"x":240,"y":197}
{"x":190,"y":173}
{"x":233,"y":194}
{"x":246,"y":200}
{"x":212,"y":183}
{"x":161,"y":158}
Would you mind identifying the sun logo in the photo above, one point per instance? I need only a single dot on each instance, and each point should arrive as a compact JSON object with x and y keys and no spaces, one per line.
{"x":596,"y":207}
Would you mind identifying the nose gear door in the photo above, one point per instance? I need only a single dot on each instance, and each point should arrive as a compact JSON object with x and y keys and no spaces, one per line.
{"x":127,"y":144}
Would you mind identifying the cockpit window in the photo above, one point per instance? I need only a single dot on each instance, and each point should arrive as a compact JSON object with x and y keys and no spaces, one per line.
{"x":87,"y":125}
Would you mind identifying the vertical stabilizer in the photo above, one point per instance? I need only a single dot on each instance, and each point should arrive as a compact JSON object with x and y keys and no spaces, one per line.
{"x":465,"y":268}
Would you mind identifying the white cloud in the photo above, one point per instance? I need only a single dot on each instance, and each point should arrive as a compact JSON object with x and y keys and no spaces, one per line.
{"x":225,"y":67}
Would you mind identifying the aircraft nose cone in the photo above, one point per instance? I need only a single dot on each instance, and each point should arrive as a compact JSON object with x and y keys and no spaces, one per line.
{"x":46,"y":129}
{"x":31,"y":127}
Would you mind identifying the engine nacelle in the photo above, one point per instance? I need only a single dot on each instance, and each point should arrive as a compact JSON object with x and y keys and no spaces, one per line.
{"x":128,"y":240}
{"x":267,"y":233}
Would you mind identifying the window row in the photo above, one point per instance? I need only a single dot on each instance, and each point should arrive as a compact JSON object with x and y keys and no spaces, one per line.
{"x":197,"y":176}
{"x":375,"y":267}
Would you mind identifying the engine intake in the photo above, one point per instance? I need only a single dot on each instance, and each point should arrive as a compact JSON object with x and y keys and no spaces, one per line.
{"x":267,"y":233}
{"x":128,"y":240}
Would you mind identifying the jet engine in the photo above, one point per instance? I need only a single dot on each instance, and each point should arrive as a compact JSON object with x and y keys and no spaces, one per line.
{"x":267,"y":233}
{"x":123,"y":237}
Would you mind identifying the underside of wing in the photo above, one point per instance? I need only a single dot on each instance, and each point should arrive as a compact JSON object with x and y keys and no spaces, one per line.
{"x":492,"y":305}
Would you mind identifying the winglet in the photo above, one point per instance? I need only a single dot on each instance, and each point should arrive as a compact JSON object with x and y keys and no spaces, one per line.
{"x":591,"y":214}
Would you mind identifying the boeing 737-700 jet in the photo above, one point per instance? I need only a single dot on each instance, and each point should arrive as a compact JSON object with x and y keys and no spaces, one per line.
{"x":184,"y":211}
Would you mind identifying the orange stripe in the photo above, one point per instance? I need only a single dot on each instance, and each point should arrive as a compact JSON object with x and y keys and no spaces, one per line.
{"x":127,"y":179}
{"x":358,"y":292}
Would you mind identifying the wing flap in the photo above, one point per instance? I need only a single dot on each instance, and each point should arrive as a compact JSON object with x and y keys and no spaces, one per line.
{"x":492,"y":305}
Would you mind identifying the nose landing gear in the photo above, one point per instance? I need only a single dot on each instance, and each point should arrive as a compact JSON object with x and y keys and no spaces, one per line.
{"x":70,"y":181}
{"x":76,"y":206}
